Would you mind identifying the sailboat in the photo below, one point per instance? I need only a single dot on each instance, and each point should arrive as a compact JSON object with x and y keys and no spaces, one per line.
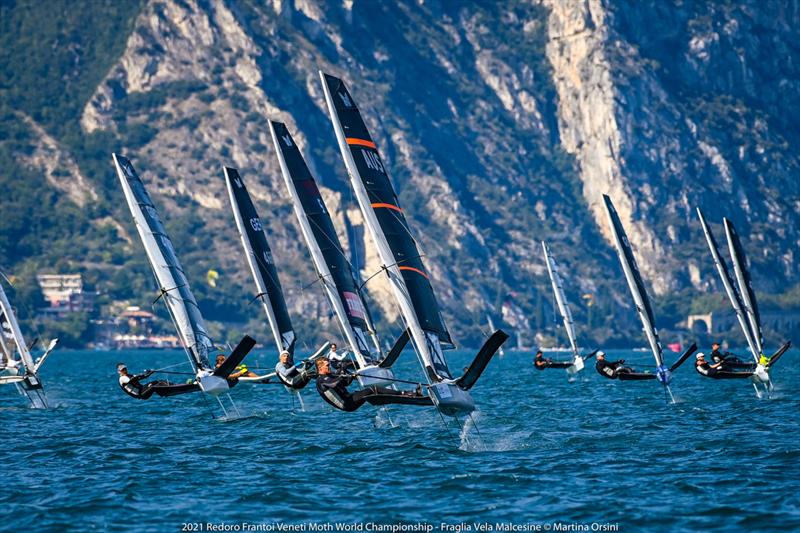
{"x":17,"y":366}
{"x":400,"y":257}
{"x":566,"y":315}
{"x":334,"y":271}
{"x":177,"y":295}
{"x":743,"y":301}
{"x":643,"y":307}
{"x":265,"y":274}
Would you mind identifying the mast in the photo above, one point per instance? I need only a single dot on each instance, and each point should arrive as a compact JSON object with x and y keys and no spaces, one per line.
{"x":16,"y":333}
{"x":260,"y":261}
{"x":561,"y":299}
{"x":167,"y":269}
{"x":334,"y":271}
{"x":745,"y":284}
{"x":634,"y":279}
{"x":724,"y":275}
{"x":400,"y":257}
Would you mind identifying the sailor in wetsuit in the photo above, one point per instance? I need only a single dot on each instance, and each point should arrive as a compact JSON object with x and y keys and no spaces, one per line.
{"x":716,"y":355}
{"x":717,"y":370}
{"x":339,"y":362}
{"x":333,"y":389}
{"x":133,"y":386}
{"x":609,"y":369}
{"x":294,"y":377}
{"x":540,"y":362}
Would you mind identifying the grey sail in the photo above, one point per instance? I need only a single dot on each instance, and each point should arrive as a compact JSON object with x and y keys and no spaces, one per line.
{"x":745,"y":284}
{"x":167,"y":269}
{"x":635,"y":283}
{"x":561,"y":298}
{"x":725,"y":277}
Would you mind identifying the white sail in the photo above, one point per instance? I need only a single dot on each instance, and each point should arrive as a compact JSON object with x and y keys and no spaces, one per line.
{"x":561,"y":299}
{"x":634,"y":280}
{"x":11,"y":320}
{"x":743,"y":282}
{"x":726,"y":283}
{"x":357,"y":341}
{"x":427,"y":343}
{"x":167,"y":269}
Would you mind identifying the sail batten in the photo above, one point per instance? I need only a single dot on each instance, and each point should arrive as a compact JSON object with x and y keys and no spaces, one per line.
{"x":169,"y":273}
{"x":725,"y":277}
{"x":260,"y":260}
{"x":634,"y":279}
{"x":334,"y":271}
{"x":745,"y":284}
{"x":389,"y":230}
{"x":561,"y":299}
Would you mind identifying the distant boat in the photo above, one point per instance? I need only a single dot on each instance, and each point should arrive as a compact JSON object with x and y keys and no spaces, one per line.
{"x":743,"y":301}
{"x":17,"y":365}
{"x":176,"y":294}
{"x":643,"y":307}
{"x":566,"y":315}
{"x":400,"y":257}
{"x":333,"y":269}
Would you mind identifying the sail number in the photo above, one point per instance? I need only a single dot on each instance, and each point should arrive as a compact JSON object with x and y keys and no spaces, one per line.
{"x":373,"y":161}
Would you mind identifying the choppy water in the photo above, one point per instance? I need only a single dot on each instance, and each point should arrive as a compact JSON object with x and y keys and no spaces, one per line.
{"x":549,"y":453}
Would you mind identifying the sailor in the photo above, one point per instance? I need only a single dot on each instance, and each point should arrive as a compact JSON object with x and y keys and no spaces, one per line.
{"x":338,"y":361}
{"x":716,"y":355}
{"x":294,"y":377}
{"x":539,"y":361}
{"x":609,"y":369}
{"x":133,"y":386}
{"x":239,"y":371}
{"x":713,"y":371}
{"x":333,"y":389}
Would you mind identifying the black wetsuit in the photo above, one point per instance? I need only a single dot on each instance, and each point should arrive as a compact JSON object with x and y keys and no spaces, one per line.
{"x":540,"y":363}
{"x":136,"y":389}
{"x":705,"y":369}
{"x":717,"y":356}
{"x":333,"y":389}
{"x":611,"y":370}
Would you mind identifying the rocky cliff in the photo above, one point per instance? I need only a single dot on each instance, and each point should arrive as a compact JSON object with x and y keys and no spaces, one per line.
{"x":501,"y":124}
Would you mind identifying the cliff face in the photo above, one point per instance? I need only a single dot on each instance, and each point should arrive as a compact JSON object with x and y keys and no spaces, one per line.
{"x":501,"y":124}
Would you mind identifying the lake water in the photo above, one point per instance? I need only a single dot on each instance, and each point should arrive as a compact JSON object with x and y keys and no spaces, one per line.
{"x":546,"y":455}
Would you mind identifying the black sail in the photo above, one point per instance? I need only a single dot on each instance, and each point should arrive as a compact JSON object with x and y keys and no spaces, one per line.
{"x":260,"y":260}
{"x":383,"y":199}
{"x":327,"y":241}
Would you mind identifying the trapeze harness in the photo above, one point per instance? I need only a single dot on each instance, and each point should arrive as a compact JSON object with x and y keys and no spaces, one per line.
{"x":292,"y":376}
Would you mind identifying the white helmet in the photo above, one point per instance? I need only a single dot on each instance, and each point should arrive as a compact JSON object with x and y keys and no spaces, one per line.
{"x":699,"y":356}
{"x":601,"y":352}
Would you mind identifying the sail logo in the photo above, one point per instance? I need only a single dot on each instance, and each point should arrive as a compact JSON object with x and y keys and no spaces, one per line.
{"x":287,"y":140}
{"x":354,"y":307}
{"x":255,"y":223}
{"x":268,"y":257}
{"x":238,"y":182}
{"x":346,"y":99}
{"x":128,"y":169}
{"x":373,"y":161}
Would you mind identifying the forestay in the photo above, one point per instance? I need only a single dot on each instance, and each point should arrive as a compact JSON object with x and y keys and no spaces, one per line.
{"x":260,"y":260}
{"x":167,"y":269}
